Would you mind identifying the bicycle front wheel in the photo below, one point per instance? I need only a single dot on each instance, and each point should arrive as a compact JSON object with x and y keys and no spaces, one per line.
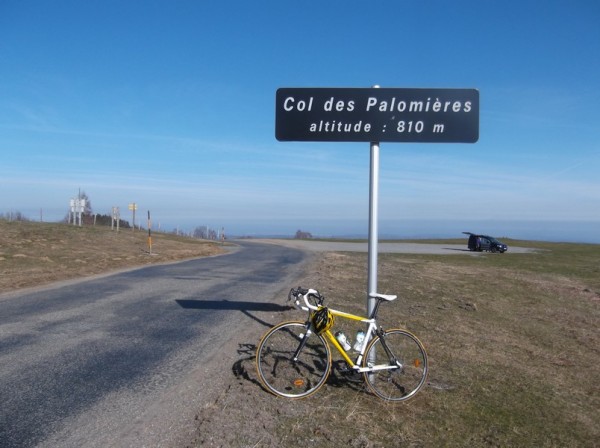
{"x":285,"y":376}
{"x":403,"y":351}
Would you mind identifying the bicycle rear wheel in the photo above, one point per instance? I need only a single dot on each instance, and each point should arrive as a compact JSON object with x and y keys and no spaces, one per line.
{"x":408,"y":354}
{"x":276,"y":367}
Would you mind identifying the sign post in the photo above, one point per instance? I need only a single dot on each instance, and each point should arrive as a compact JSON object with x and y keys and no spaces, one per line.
{"x":149,"y":234}
{"x":376,"y":115}
{"x":116,"y":217}
{"x":373,"y":250}
{"x":77,"y":207}
{"x":373,"y":227}
{"x":133,"y":208}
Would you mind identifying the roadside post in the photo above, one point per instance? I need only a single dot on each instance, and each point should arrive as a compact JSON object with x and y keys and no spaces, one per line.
{"x":149,"y":234}
{"x":116,"y":217}
{"x":374,"y":115}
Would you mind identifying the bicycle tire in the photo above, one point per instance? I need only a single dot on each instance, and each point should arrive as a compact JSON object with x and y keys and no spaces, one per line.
{"x":404,"y":382}
{"x":277,"y":370}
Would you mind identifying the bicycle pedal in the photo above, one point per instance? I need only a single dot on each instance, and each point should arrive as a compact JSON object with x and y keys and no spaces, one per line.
{"x":355,"y":378}
{"x":352,"y":375}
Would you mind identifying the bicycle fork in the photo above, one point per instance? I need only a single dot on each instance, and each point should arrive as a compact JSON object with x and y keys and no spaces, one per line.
{"x":302,"y":342}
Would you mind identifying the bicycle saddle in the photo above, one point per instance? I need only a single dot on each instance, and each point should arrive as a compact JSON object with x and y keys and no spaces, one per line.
{"x":388,"y":297}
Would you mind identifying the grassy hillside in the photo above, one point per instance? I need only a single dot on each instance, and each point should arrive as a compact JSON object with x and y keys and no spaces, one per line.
{"x":34,"y":254}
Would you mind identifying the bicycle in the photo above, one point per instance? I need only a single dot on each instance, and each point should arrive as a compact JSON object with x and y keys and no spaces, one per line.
{"x":294,"y":359}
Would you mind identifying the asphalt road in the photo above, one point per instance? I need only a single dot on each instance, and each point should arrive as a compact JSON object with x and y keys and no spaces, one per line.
{"x":122,"y":360}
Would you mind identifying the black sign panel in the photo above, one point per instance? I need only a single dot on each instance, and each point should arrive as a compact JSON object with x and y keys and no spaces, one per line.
{"x":377,"y":115}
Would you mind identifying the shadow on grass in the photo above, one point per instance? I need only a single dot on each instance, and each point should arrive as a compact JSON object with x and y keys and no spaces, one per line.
{"x":244,"y":368}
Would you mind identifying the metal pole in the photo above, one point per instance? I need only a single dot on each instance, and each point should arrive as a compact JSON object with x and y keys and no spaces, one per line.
{"x":373,"y":226}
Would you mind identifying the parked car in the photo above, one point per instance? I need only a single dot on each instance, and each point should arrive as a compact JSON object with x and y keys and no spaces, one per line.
{"x":488,"y":243}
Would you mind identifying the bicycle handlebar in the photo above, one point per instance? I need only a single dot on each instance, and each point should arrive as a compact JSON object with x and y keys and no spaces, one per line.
{"x":306,"y":295}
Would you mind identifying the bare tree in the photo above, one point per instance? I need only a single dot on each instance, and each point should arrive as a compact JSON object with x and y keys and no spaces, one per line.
{"x":87,"y":210}
{"x":301,"y":235}
{"x":14,"y":216}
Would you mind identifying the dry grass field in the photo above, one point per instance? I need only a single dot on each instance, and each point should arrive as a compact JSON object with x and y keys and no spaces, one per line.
{"x":513,"y":345}
{"x":35,"y":254}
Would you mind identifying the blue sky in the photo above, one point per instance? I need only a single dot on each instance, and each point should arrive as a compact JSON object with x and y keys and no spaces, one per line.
{"x":171,"y":105}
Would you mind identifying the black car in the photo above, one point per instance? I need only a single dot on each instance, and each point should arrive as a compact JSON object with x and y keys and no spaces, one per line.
{"x":488,"y":243}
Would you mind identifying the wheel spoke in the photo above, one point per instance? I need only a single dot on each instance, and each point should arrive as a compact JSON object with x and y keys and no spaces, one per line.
{"x":408,"y":354}
{"x":277,"y":369}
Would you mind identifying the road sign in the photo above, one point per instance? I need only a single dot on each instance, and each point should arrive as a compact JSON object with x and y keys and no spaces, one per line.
{"x":377,"y":115}
{"x":133,"y":206}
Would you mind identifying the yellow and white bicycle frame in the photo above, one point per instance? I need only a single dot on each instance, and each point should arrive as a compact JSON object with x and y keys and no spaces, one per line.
{"x":368,"y":337}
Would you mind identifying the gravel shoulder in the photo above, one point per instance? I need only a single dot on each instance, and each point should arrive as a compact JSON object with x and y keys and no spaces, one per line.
{"x":383,"y":247}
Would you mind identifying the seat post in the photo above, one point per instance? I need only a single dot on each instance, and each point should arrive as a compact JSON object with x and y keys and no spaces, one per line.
{"x":377,"y":301}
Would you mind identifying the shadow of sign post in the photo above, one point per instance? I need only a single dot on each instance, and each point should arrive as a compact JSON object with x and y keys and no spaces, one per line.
{"x":230,"y":305}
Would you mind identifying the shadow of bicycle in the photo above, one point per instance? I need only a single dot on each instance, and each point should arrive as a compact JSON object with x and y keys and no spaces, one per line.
{"x":245,"y":369}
